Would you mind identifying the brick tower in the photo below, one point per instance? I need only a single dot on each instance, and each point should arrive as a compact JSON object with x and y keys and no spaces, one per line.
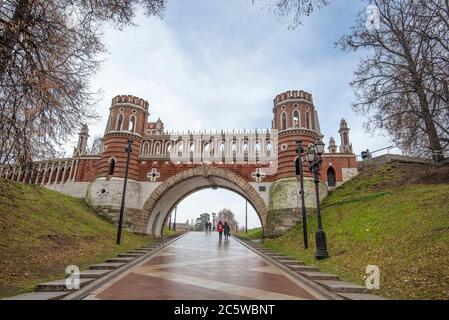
{"x":296,"y":119}
{"x":127,"y":119}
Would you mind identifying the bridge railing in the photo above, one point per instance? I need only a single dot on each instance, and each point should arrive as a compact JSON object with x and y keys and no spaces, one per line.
{"x":47,"y":172}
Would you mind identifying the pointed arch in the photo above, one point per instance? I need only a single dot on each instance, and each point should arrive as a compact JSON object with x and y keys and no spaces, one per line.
{"x":331,"y":178}
{"x":296,"y":119}
{"x":269,"y":146}
{"x":132,"y":123}
{"x":283,"y":120}
{"x":157,"y":147}
{"x":112,"y":163}
{"x":168,"y":147}
{"x":146,"y":148}
{"x":308,"y":126}
{"x":119,"y":123}
{"x":257,"y":146}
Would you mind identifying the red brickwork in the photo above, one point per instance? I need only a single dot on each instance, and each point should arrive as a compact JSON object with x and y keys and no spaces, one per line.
{"x":295,"y":104}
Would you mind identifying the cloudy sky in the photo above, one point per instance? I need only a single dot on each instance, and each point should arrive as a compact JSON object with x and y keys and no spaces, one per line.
{"x":219,"y":64}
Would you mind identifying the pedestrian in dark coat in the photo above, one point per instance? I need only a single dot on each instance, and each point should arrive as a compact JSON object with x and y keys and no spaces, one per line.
{"x":227,"y":230}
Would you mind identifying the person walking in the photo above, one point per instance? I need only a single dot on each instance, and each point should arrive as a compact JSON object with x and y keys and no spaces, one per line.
{"x":227,"y":230}
{"x":220,"y":229}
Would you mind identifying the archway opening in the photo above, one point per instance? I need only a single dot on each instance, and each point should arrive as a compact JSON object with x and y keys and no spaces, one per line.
{"x":210,"y":205}
{"x":168,"y":195}
{"x":331,"y":180}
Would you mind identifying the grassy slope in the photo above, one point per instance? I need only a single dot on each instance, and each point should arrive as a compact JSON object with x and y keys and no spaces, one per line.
{"x":42,"y":232}
{"x":252,"y":234}
{"x":387,"y":217}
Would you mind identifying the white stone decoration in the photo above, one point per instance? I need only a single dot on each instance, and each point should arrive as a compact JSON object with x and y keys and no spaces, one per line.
{"x":154,"y":175}
{"x":348,"y":173}
{"x":258,"y":175}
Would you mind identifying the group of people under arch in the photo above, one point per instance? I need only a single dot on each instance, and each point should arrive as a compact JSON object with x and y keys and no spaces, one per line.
{"x":222,"y":228}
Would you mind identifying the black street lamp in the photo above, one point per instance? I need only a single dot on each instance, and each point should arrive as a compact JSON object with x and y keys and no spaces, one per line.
{"x":313,"y":156}
{"x":246,"y":216}
{"x":300,"y":174}
{"x":122,"y":206}
{"x":174,"y":219}
{"x":169,"y":222}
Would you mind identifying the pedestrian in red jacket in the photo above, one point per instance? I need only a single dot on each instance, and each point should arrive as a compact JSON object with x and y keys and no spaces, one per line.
{"x":220,"y":229}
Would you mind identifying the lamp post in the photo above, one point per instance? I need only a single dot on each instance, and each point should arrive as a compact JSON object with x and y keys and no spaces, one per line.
{"x":122,"y":206}
{"x":313,"y":156}
{"x":174,"y":219}
{"x":169,"y":222}
{"x":246,"y":216}
{"x":300,"y":173}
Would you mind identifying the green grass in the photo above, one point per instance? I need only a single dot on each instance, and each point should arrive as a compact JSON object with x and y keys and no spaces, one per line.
{"x":252,"y":234}
{"x":371,"y":220}
{"x":43,"y":232}
{"x":168,"y":232}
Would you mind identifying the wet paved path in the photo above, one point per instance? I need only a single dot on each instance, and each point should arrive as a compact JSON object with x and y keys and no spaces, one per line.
{"x":197,"y":266}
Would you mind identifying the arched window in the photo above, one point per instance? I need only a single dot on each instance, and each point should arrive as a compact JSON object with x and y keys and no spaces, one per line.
{"x":146,"y":148}
{"x":157,"y":148}
{"x":222,"y":147}
{"x":111,"y":166}
{"x":180,"y":147}
{"x":118,"y":126}
{"x":245,"y":146}
{"x":331,"y":181}
{"x":132,"y":123}
{"x":307,"y":120}
{"x":283,"y":120}
{"x":257,"y":146}
{"x":269,"y":146}
{"x":168,"y":148}
{"x":296,"y":123}
{"x":206,"y":148}
{"x":234,"y":147}
{"x":192,"y":147}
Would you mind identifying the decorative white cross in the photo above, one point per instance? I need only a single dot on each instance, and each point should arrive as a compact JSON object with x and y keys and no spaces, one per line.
{"x":153,"y":175}
{"x":258,"y":175}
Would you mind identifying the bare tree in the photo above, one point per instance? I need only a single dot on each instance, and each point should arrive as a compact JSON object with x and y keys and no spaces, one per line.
{"x":294,"y":10}
{"x":401,"y":83}
{"x":228,"y":215}
{"x":49,"y":50}
{"x":94,"y":148}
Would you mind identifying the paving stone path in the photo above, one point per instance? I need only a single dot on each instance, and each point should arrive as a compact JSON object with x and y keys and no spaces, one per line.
{"x":198,"y":266}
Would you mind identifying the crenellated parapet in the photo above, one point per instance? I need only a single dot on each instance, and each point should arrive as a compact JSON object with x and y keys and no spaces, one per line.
{"x":293,"y":95}
{"x":130,"y":99}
